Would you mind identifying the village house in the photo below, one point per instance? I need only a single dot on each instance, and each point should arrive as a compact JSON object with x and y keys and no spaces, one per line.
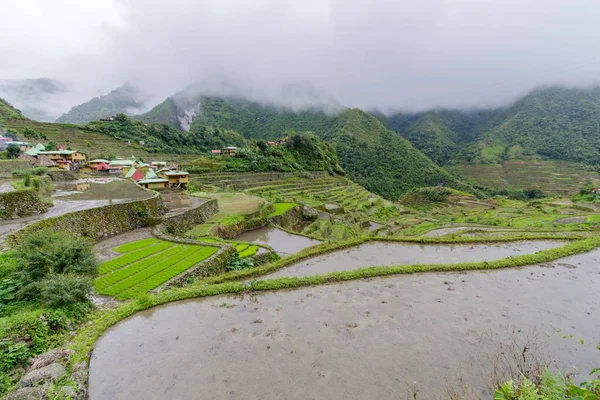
{"x":135,"y":174}
{"x":94,"y":163}
{"x":4,"y":142}
{"x":216,"y":152}
{"x":127,"y":164}
{"x":152,"y":181}
{"x":68,"y":155}
{"x":229,"y":150}
{"x":177,"y":179}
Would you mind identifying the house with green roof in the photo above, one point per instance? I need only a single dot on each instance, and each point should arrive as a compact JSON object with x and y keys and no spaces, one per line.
{"x":152,"y":181}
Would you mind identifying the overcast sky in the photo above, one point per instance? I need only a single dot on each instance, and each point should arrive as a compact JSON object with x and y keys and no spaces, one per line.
{"x":366,"y":53}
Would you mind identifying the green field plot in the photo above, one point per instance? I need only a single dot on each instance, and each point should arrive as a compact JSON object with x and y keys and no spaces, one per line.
{"x":559,"y":178}
{"x":147,"y":265}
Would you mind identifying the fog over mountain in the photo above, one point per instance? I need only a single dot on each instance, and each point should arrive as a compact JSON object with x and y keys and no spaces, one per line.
{"x":382,"y":54}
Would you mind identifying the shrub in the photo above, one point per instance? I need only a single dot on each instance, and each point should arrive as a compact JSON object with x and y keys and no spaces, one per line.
{"x":45,"y":253}
{"x":63,"y":290}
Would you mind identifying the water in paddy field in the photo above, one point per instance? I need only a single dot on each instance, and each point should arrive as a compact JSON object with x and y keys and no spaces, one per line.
{"x":282,"y":242}
{"x":374,"y":254}
{"x":365,"y":339}
{"x":178,"y":201}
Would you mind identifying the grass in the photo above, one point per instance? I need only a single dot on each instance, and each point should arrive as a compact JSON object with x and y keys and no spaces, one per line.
{"x":127,"y":247}
{"x":281,"y":208}
{"x":147,"y":265}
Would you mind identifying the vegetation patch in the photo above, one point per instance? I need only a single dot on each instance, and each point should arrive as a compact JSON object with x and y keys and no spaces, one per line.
{"x":146,"y":268}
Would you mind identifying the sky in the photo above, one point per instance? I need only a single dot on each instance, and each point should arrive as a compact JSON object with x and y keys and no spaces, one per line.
{"x":384,"y":54}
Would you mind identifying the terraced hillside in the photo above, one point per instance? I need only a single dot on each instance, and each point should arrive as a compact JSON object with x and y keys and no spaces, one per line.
{"x":335,"y":194}
{"x":559,"y":178}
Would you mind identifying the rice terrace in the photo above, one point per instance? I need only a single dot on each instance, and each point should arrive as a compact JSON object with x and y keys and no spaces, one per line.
{"x":254,"y":234}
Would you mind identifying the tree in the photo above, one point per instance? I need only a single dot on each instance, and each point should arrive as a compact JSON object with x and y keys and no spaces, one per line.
{"x":262,"y":146}
{"x":13,"y":151}
{"x":30,"y":133}
{"x":51,"y":146}
{"x":11,"y":134}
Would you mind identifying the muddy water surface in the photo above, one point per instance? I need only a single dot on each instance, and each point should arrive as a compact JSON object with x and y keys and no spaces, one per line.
{"x":375,"y":254}
{"x":282,"y":242}
{"x":367,"y":339}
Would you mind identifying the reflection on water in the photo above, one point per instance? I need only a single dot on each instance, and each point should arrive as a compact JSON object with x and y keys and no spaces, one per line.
{"x":366,"y":339}
{"x":375,"y":254}
{"x":282,"y":242}
{"x":178,"y":201}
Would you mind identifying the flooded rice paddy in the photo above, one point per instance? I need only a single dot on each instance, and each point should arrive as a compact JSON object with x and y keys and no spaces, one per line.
{"x":282,"y":242}
{"x":368,"y":339}
{"x":374,"y":254}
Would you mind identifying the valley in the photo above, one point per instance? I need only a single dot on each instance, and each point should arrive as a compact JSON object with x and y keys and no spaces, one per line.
{"x":354,"y":242}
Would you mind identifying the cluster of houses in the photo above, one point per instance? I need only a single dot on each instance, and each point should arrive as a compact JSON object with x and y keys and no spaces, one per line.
{"x":228,"y":151}
{"x":156,"y":175}
{"x":70,"y":160}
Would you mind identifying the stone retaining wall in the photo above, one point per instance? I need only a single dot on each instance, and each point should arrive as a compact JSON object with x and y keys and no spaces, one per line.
{"x":180,"y":223}
{"x":101,"y":222}
{"x":8,"y":166}
{"x":20,"y":203}
{"x":62,"y":176}
{"x":214,"y":265}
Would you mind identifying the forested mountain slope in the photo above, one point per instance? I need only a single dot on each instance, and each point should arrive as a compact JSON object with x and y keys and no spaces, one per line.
{"x":372,"y":155}
{"x":553,"y":123}
{"x":381,"y":160}
{"x":124,"y":99}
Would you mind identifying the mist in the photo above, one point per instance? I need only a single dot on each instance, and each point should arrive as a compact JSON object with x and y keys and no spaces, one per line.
{"x":375,"y":54}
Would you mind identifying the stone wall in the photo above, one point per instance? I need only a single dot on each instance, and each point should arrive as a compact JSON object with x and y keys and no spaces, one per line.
{"x":8,"y":166}
{"x":214,"y":265}
{"x":102,"y":222}
{"x":290,"y":218}
{"x":20,"y":203}
{"x":180,"y":223}
{"x":62,"y":176}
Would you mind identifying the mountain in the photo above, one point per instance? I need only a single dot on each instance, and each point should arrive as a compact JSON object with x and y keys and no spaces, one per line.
{"x":125,"y":99}
{"x":40,"y":99}
{"x":373,"y":156}
{"x":549,"y":123}
{"x":304,"y":104}
{"x":381,"y":160}
{"x":9,"y":112}
{"x":554,"y":123}
{"x":442,"y":134}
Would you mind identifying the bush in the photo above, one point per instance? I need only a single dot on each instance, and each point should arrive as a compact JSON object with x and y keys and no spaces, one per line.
{"x":47,"y":253}
{"x":62,"y":290}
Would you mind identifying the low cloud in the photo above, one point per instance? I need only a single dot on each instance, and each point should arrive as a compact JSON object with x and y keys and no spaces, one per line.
{"x":381,"y":54}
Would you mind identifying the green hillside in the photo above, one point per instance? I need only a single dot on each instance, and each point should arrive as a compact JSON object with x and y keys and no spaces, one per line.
{"x":380,"y":160}
{"x":87,"y":138}
{"x":259,"y":121}
{"x":443,"y":135}
{"x":551,"y":123}
{"x":117,"y":101}
{"x":164,"y":113}
{"x":8,"y":112}
{"x":373,"y":156}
